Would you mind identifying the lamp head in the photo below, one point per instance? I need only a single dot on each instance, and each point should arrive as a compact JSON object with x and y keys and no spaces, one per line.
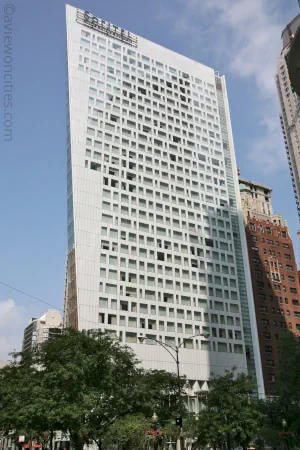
{"x":154,"y":417}
{"x":205,"y":335}
{"x":141,"y":339}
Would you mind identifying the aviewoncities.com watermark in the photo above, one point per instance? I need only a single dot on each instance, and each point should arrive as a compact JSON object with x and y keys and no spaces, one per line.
{"x":8,"y":83}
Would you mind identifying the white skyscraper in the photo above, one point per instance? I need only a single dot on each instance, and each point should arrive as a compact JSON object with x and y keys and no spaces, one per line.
{"x":290,"y":108}
{"x":156,"y":243}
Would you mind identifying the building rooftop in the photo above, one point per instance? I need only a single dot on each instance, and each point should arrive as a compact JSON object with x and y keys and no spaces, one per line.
{"x":254,"y":183}
{"x":293,"y":61}
{"x":289,"y":31}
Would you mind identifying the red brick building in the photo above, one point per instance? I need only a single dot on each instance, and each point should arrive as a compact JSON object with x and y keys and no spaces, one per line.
{"x":274,"y":275}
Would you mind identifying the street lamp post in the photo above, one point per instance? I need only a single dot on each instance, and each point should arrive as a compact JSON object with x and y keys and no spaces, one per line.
{"x":284,"y":425}
{"x":175,"y":349}
{"x":154,"y":420}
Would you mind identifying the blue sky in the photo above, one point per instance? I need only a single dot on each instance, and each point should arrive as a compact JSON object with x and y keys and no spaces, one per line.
{"x":239,"y":38}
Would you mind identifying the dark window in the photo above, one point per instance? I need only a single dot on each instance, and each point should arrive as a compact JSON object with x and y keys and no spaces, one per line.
{"x":209,"y":242}
{"x":95,"y":166}
{"x":266,"y":335}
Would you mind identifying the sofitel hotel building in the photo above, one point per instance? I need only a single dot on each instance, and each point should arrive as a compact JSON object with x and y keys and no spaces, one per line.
{"x":156,"y":240}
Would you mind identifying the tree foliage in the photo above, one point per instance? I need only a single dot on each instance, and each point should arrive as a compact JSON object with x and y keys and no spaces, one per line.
{"x":92,"y":386}
{"x":230,"y":413}
{"x":81,"y":383}
{"x":286,"y":405}
{"x":157,"y":390}
{"x":128,"y":432}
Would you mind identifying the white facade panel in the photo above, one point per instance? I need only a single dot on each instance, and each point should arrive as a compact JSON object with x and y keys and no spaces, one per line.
{"x":149,"y":222}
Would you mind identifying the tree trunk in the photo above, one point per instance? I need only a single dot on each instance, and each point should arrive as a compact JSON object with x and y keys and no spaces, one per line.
{"x":99,"y":444}
{"x":77,"y":441}
{"x":51,"y":440}
{"x":228,"y":441}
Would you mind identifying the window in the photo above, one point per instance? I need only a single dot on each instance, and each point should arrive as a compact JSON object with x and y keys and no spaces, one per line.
{"x":103,"y":302}
{"x":111,"y":289}
{"x":209,"y":242}
{"x":131,"y":337}
{"x":95,"y":166}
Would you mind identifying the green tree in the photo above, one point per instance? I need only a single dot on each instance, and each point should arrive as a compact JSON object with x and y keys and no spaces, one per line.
{"x":76,"y":383}
{"x":81,"y":383}
{"x":288,"y":379}
{"x":22,"y":399}
{"x":128,"y":433}
{"x":269,"y":435}
{"x":90,"y":376}
{"x":288,"y":388}
{"x":230,"y":412}
{"x":285,"y":405}
{"x":157,"y":390}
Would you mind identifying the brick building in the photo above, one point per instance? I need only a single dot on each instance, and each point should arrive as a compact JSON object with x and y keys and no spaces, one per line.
{"x":274,"y":275}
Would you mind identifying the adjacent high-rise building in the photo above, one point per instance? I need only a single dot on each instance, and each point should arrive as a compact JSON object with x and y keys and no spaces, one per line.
{"x":274,"y":275}
{"x":156,"y":240}
{"x":290,"y":108}
{"x":39,"y":330}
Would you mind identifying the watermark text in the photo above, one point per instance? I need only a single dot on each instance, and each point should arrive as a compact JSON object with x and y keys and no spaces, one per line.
{"x":8,"y":83}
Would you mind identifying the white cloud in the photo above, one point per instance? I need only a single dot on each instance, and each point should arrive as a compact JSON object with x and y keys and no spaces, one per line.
{"x":13,"y":319}
{"x":243,"y":36}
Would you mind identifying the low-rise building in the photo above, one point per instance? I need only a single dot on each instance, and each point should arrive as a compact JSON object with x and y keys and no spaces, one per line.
{"x":3,"y":363}
{"x":39,"y":329}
